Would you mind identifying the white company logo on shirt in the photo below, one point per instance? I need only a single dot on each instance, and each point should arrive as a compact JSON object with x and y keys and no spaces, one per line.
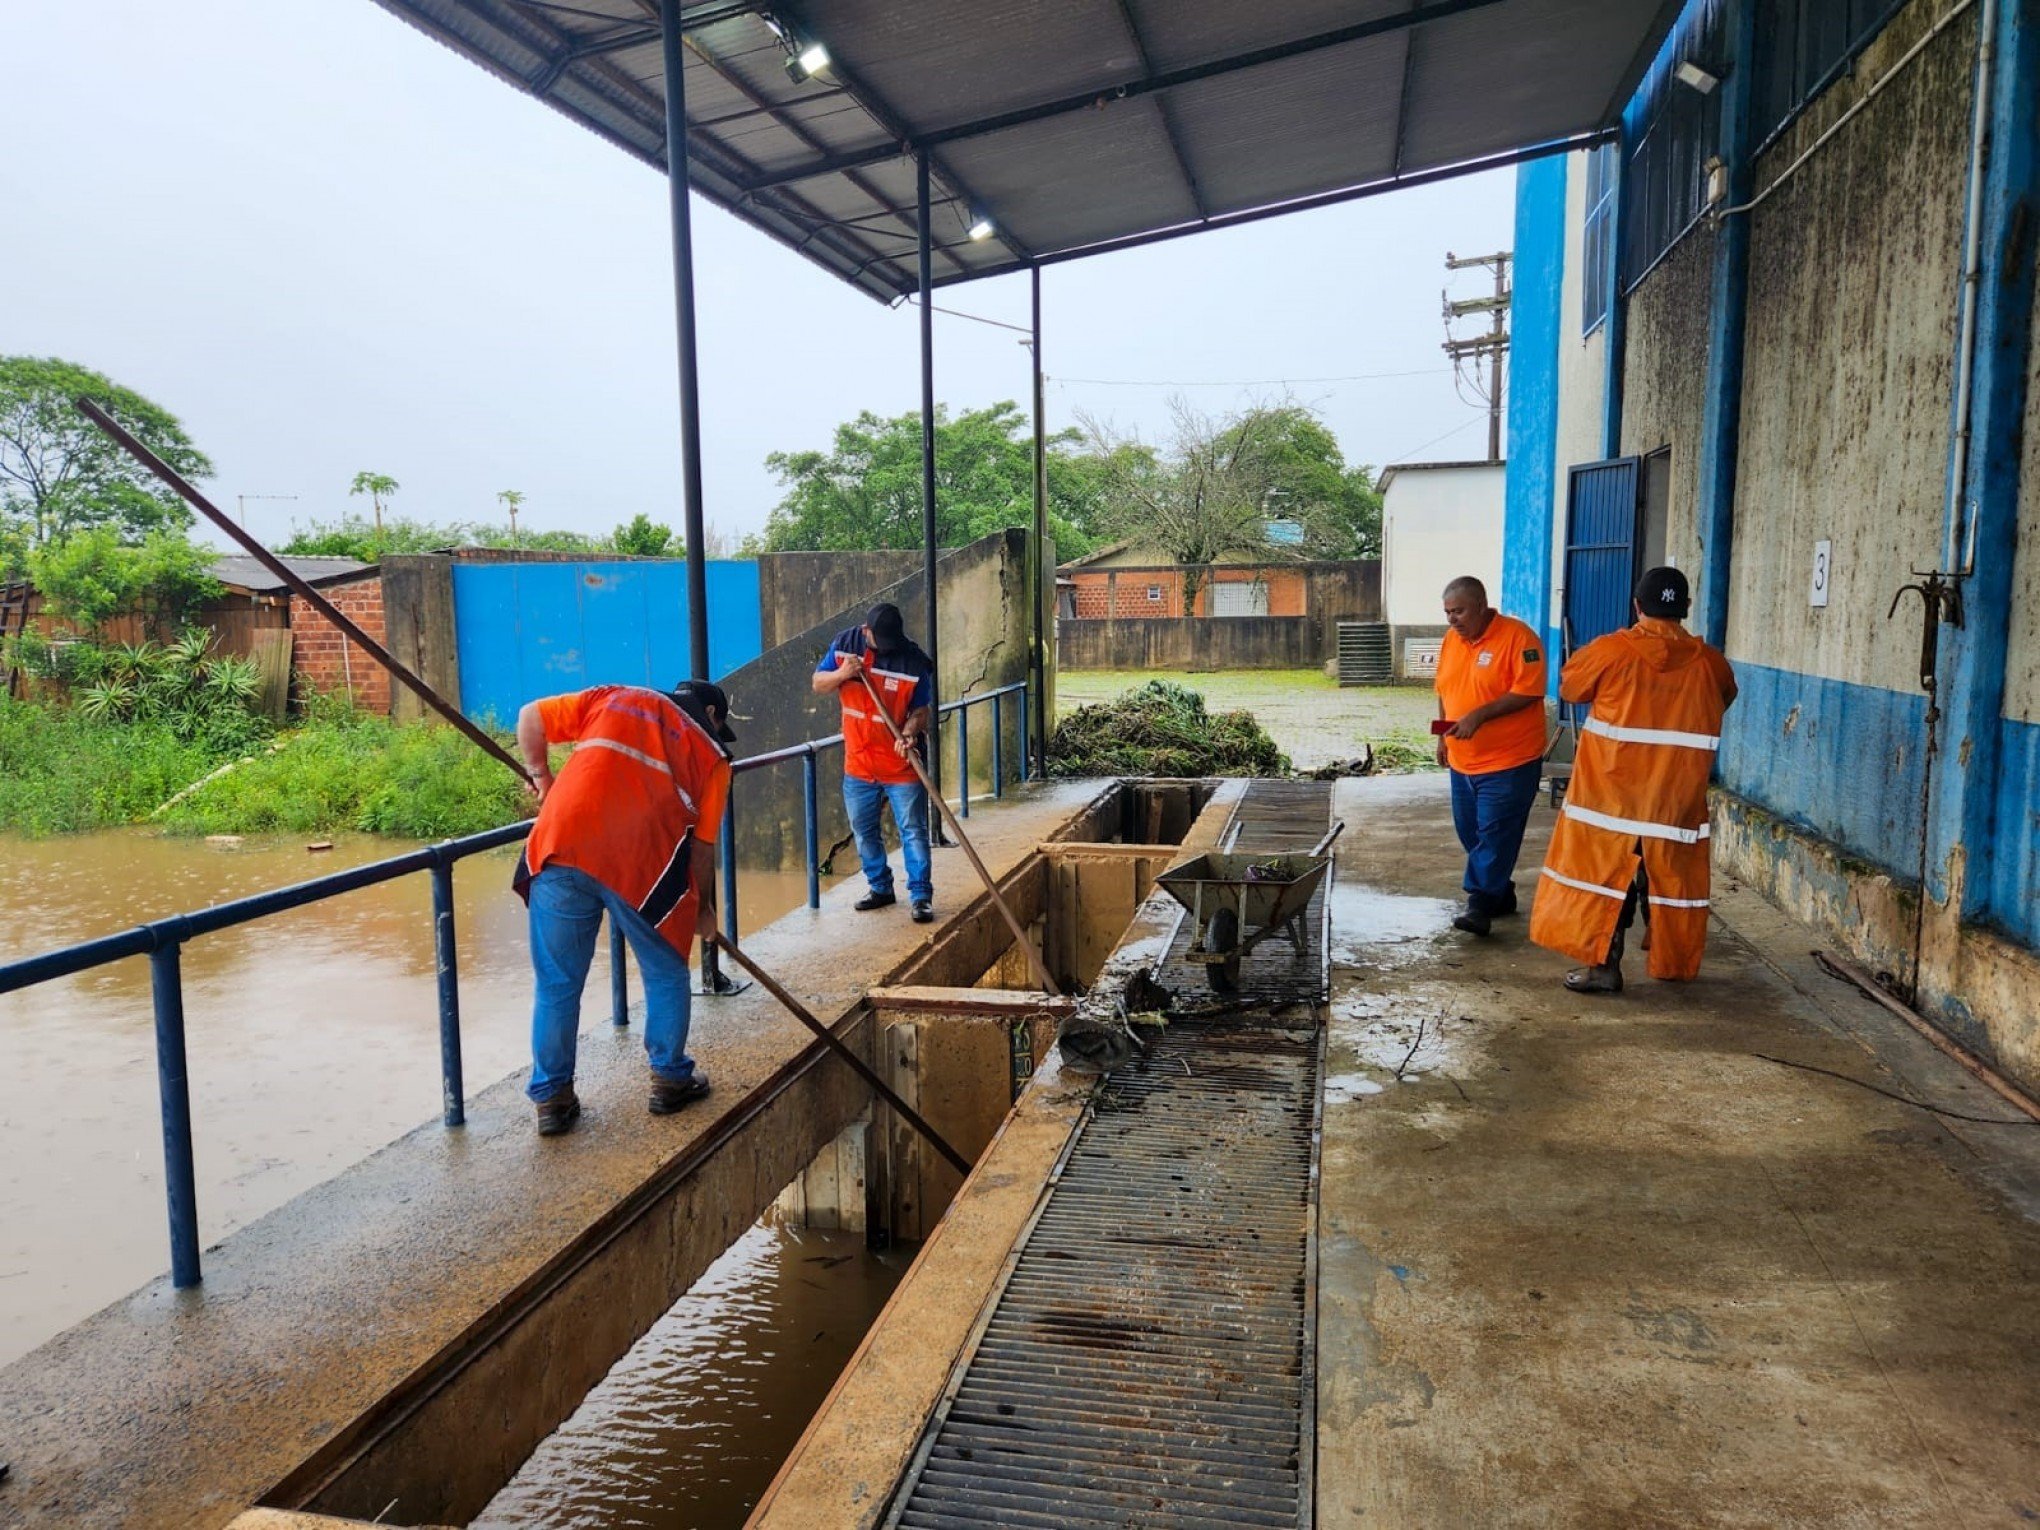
{"x":1482,"y":661}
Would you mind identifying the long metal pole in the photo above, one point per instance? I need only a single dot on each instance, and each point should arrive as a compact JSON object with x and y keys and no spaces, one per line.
{"x":934,"y":639}
{"x":1041,"y":976}
{"x":863,"y":1070}
{"x":173,"y":1084}
{"x":453,"y":1096}
{"x":312,"y":597}
{"x":683,"y":324}
{"x":1044,"y":565}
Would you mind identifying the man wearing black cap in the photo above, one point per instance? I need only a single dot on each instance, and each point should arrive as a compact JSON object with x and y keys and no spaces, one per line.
{"x":1633,"y":834}
{"x":898,"y":676}
{"x":627,"y":828}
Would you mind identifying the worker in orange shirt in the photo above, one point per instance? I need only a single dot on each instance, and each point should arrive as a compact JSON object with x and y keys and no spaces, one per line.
{"x":628,"y":829}
{"x":1491,"y":709}
{"x":1634,"y":830}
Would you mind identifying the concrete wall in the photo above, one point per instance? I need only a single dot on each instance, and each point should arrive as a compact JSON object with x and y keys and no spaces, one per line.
{"x":1438,"y":522}
{"x":1582,"y":392}
{"x":1544,"y":188}
{"x":983,"y":602}
{"x":1663,"y":376}
{"x":1192,"y":643}
{"x":797,"y":590}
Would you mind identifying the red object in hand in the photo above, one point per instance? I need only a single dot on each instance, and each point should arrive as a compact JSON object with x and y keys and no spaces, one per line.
{"x":1440,"y":726}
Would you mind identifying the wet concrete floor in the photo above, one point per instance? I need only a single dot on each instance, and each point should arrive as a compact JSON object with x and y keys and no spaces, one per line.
{"x":1606,"y":1262}
{"x":313,"y":1040}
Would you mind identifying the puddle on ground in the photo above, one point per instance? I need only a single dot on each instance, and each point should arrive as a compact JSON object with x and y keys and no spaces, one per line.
{"x":1341,"y":1087}
{"x":690,"y":1426}
{"x":1371,"y":927}
{"x":1391,"y":1044}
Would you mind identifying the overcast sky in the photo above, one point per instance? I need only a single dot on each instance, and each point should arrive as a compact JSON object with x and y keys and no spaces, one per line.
{"x":329,"y":244}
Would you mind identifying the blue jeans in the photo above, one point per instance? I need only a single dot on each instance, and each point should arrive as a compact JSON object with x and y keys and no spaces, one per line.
{"x":566,"y":915}
{"x":1490,"y":812}
{"x":865,"y":800}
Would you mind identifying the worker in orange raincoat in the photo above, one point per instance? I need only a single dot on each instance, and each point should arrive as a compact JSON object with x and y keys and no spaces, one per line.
{"x":1633,"y":832}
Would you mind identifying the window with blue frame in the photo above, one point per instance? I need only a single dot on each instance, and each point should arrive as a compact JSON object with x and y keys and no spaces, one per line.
{"x":1597,"y":260}
{"x":1672,"y":130}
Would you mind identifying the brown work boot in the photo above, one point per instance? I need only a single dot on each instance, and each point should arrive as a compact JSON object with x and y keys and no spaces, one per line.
{"x":669,"y":1097}
{"x":556,"y":1116}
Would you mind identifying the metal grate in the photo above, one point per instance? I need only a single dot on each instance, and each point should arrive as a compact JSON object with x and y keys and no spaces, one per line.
{"x":1366,"y":655}
{"x":1149,"y":1361}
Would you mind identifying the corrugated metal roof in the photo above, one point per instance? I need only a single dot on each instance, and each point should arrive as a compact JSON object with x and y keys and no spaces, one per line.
{"x":1073,"y":124}
{"x":244,"y":573}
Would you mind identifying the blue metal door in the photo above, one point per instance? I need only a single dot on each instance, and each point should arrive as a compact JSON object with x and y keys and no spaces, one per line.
{"x":1603,"y":501}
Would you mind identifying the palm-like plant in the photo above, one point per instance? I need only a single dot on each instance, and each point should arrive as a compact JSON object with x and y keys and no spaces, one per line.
{"x":378,"y":487}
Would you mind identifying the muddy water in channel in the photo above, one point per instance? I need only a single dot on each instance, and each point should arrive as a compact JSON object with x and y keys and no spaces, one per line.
{"x":313,"y":1040}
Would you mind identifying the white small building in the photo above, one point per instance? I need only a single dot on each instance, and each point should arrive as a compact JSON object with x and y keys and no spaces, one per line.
{"x":1439,"y":520}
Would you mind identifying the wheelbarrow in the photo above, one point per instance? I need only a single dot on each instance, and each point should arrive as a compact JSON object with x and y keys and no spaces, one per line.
{"x":1238,"y":901}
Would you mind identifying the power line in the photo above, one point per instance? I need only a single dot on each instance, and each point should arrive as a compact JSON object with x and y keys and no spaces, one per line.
{"x":1252,"y":382}
{"x":1403,"y":457}
{"x":975,"y":318}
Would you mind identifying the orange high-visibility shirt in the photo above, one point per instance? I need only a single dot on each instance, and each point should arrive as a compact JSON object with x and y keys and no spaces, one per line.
{"x":645,"y":782}
{"x":1506,"y":660}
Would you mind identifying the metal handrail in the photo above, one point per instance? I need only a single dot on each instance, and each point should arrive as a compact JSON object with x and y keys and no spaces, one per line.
{"x":162,"y":941}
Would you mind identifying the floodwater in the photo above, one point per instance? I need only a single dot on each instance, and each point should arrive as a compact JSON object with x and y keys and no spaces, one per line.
{"x":313,"y":1040}
{"x":688,"y":1429}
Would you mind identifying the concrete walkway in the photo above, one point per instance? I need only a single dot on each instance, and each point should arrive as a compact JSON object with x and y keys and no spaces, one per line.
{"x":1603,"y":1263}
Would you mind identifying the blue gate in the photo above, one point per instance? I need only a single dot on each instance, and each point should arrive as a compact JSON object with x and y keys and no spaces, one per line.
{"x":524,"y":630}
{"x":1602,"y":502}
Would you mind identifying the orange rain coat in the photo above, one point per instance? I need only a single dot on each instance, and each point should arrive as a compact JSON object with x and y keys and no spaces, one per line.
{"x":1639,"y":783}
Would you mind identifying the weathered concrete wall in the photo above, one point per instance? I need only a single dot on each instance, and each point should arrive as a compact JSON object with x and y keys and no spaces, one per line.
{"x":1664,"y":373}
{"x":1582,"y":388}
{"x":798,"y":590}
{"x":1855,"y":271}
{"x":2022,"y":672}
{"x":1194,"y":643}
{"x":982,"y":591}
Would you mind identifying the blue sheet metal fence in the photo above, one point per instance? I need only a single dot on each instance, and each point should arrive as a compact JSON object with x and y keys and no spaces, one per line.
{"x":163,"y":941}
{"x":537,"y":629}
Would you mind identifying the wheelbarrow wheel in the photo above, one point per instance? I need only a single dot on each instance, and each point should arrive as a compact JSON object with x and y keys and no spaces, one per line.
{"x":1223,"y":934}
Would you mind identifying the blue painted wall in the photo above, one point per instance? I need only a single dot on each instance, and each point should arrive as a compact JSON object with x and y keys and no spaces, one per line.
{"x":2013,"y":896}
{"x":1533,"y":395}
{"x":1839,"y":759}
{"x":524,"y":630}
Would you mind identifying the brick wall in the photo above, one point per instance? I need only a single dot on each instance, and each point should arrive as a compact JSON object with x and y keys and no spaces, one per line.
{"x":324,"y":661}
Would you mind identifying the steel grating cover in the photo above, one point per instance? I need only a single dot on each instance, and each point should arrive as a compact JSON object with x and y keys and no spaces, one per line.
{"x":1149,"y":1360}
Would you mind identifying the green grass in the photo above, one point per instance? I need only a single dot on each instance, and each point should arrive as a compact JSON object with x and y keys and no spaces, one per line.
{"x":419,"y":781}
{"x":63,"y":773}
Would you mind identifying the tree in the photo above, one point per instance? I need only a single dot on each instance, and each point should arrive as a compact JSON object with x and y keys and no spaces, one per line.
{"x":1203,"y":499}
{"x":511,"y":499}
{"x":643,"y":537}
{"x":90,"y":576}
{"x":353,"y":536}
{"x":865,"y":492}
{"x":1309,"y":483}
{"x":59,"y":472}
{"x":378,"y":487}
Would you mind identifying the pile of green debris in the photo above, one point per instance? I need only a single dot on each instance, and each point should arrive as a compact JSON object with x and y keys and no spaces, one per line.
{"x":1160,"y":729}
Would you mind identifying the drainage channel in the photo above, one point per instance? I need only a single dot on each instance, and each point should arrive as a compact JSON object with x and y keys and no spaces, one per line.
{"x":1149,"y":1360}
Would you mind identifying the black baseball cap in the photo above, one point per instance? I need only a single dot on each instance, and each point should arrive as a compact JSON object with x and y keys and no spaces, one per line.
{"x":709,"y":700}
{"x":1664,"y":593}
{"x":888,"y":627}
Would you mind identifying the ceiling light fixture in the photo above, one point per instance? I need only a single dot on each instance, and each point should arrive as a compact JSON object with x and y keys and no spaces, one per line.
{"x":981,"y":226}
{"x":807,"y":62}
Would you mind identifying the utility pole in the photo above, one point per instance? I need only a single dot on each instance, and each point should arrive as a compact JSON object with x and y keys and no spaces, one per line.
{"x":1491,"y":346}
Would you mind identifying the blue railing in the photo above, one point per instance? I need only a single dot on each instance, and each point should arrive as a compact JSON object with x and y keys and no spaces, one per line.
{"x":163,"y":941}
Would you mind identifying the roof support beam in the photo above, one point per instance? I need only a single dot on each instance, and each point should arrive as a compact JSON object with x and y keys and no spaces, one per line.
{"x":1163,"y":108}
{"x":1326,"y":199}
{"x":1436,"y":10}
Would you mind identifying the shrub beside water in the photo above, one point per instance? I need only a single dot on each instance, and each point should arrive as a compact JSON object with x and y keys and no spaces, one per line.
{"x":61,"y":772}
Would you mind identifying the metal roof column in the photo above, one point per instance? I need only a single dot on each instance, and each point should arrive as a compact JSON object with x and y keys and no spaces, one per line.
{"x":927,"y":281}
{"x":1727,"y":308}
{"x":1044,"y":565}
{"x":1963,"y":829}
{"x":683,"y":321}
